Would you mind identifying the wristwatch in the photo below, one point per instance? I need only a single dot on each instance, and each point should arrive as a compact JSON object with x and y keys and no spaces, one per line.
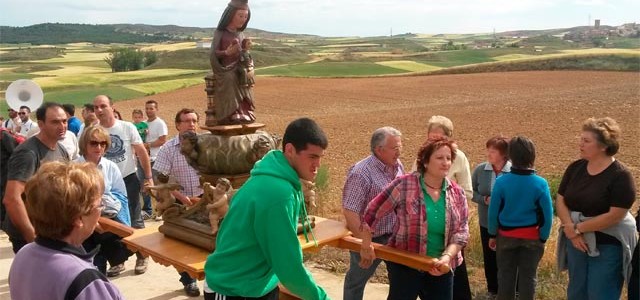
{"x":575,"y":229}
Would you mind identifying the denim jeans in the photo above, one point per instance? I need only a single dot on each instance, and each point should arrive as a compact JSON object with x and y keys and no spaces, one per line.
{"x":356,"y":277}
{"x":517,"y":261}
{"x":406,"y":283}
{"x":146,"y":199}
{"x":132,"y":184}
{"x":595,"y":277}
{"x":186,"y":279}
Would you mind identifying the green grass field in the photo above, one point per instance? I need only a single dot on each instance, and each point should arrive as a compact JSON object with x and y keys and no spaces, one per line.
{"x":331,"y":69}
{"x":78,"y":71}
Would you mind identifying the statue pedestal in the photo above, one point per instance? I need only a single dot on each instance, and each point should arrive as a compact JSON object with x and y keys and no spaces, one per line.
{"x":236,"y":180}
{"x":236,"y":129}
{"x":189,"y":231}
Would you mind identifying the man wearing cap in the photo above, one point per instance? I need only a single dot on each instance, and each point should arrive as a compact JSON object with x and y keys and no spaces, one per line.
{"x":11,"y":121}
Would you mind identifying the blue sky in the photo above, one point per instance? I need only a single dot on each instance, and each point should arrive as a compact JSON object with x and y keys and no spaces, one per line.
{"x":333,"y":17}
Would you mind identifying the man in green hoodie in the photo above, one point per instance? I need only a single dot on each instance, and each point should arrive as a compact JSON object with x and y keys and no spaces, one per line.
{"x":257,"y":245}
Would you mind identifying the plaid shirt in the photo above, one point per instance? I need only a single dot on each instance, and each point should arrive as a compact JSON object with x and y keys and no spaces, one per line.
{"x":171,"y":162}
{"x":404,"y":197}
{"x":365,"y":180}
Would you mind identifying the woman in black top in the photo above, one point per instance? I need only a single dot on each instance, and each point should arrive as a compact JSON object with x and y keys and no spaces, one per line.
{"x":594,"y":198}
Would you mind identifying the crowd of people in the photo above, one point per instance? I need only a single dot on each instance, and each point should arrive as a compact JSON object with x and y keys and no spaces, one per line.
{"x":424,"y":211}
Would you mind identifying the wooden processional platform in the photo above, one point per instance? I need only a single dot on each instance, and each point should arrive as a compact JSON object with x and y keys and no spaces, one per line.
{"x":188,"y":258}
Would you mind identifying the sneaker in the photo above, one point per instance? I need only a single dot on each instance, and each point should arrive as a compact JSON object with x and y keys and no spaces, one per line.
{"x":145,"y":215}
{"x":192,"y":289}
{"x":141,"y":265}
{"x":115,"y":270}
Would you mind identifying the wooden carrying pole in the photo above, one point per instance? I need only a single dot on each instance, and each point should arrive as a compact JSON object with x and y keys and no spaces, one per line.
{"x":112,"y":226}
{"x":409,"y":259}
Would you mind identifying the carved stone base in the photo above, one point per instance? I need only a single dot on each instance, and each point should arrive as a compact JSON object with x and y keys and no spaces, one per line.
{"x":236,"y":180}
{"x":189,"y":231}
{"x":237,"y":129}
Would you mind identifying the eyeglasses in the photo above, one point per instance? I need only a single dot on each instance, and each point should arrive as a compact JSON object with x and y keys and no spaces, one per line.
{"x":103,"y":144}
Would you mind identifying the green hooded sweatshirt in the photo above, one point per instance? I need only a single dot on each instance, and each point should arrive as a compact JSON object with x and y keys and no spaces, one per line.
{"x":257,"y":244}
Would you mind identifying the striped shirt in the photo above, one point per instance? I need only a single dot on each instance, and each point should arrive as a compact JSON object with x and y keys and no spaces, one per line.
{"x":365,"y":180}
{"x":404,"y":197}
{"x":171,"y":162}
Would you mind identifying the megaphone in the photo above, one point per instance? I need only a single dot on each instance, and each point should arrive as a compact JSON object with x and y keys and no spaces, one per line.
{"x":24,"y":92}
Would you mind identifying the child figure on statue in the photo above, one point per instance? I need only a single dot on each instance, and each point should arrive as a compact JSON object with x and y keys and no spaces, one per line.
{"x":218,"y":198}
{"x":245,"y":74}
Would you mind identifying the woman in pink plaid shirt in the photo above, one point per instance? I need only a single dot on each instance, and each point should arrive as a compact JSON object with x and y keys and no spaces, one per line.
{"x":432,"y":220}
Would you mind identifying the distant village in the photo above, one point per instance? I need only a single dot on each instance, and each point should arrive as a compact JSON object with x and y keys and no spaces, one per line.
{"x":631,"y":30}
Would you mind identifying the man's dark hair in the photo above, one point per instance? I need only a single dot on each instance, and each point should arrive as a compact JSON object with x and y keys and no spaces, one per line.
{"x":41,"y":112}
{"x":89,"y":107}
{"x":522,"y":152}
{"x":185,"y":111}
{"x":25,"y":107}
{"x":69,"y":108}
{"x":154,"y":102}
{"x":304,"y":131}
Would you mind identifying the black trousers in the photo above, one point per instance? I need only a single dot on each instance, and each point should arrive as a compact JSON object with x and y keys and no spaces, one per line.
{"x":273,"y":295}
{"x":461,"y":288}
{"x":490,"y":262}
{"x":634,"y":283}
{"x":112,"y":250}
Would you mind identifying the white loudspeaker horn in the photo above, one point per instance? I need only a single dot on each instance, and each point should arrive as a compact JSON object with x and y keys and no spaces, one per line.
{"x":24,"y":92}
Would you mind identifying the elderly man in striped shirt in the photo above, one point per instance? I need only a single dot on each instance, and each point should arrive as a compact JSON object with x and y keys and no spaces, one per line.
{"x":171,"y":162}
{"x":365,"y":180}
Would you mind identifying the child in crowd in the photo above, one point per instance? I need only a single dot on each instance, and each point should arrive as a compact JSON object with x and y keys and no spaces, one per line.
{"x":520,"y":215}
{"x":141,"y":125}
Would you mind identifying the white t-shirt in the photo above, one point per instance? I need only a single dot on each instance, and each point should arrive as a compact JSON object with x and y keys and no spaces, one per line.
{"x":26,"y":126}
{"x":123,"y":136}
{"x":157,"y":128}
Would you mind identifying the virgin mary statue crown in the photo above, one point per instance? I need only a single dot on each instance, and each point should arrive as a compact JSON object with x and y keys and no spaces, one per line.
{"x":241,"y":4}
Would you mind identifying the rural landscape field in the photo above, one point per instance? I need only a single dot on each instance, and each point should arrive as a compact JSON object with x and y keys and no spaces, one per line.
{"x":547,"y":106}
{"x":533,"y":83}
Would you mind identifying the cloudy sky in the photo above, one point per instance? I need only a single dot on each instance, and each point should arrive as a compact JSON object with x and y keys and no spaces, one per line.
{"x":333,"y":17}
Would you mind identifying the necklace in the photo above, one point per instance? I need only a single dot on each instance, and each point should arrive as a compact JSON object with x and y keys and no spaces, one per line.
{"x":435,"y":188}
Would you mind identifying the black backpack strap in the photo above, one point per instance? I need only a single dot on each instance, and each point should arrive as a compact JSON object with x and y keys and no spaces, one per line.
{"x":81,"y":281}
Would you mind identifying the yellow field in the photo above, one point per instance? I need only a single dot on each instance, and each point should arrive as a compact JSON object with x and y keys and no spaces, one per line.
{"x":105,"y":78}
{"x":170,"y":47}
{"x":602,"y":51}
{"x":513,"y":56}
{"x":164,"y":86}
{"x":408,"y":65}
{"x":73,"y":70}
{"x":70,"y":57}
{"x":351,"y":45}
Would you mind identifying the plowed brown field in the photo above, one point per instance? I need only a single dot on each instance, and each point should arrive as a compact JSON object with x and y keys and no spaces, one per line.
{"x":549,"y":107}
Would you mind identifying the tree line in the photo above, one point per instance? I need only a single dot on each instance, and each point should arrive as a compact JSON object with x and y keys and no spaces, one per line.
{"x":57,"y":33}
{"x":130,"y":59}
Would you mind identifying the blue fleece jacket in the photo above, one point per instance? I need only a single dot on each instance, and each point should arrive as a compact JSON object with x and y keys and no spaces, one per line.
{"x":521,"y":199}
